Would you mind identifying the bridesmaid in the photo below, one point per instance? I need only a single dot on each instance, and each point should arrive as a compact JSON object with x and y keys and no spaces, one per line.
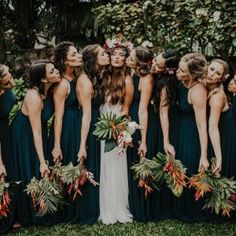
{"x":192,"y":146}
{"x":145,"y":142}
{"x":29,"y":137}
{"x":232,"y":89}
{"x":7,"y":101}
{"x":89,"y":97}
{"x":117,"y":90}
{"x":222,"y":121}
{"x":164,"y":67}
{"x":65,"y":129}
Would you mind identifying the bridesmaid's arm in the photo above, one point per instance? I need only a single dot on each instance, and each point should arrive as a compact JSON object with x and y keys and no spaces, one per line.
{"x":199,"y":100}
{"x":2,"y":167}
{"x":164,"y":118}
{"x":216,"y":104}
{"x":33,"y":104}
{"x":59,"y":97}
{"x":84,"y":90}
{"x":129,"y":94}
{"x":146,"y":94}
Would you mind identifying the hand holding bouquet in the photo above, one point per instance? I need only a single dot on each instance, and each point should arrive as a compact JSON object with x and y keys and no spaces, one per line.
{"x":74,"y":177}
{"x":116,"y":130}
{"x":160,"y":169}
{"x":46,"y":195}
{"x":221,"y":191}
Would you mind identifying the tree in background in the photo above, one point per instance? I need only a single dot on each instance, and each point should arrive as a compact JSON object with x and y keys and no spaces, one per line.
{"x":186,"y":25}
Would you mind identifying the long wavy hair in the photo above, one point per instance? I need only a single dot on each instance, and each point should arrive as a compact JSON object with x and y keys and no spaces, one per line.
{"x":144,"y":58}
{"x":89,"y":55}
{"x":167,"y":79}
{"x":113,"y":82}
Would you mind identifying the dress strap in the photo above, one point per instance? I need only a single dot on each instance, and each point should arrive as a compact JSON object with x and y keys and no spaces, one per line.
{"x":193,"y":85}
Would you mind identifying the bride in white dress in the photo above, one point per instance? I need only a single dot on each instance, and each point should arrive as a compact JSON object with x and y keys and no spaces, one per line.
{"x":118,"y":91}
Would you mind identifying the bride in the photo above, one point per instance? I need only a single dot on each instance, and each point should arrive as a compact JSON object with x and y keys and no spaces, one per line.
{"x":117,"y":89}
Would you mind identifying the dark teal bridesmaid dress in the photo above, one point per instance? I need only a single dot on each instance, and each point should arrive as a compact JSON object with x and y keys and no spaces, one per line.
{"x":87,"y":206}
{"x":26,"y":162}
{"x":188,"y":152}
{"x":141,"y":208}
{"x":7,"y":101}
{"x":70,"y":141}
{"x":227,"y":128}
{"x":164,"y":209}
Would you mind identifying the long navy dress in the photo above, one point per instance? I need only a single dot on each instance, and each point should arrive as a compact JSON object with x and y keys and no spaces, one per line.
{"x":87,"y":206}
{"x":7,"y":101}
{"x":140,"y":207}
{"x":26,"y":162}
{"x":70,"y":141}
{"x":188,"y":151}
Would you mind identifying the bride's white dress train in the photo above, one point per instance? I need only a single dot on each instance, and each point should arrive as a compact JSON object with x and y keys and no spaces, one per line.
{"x":114,"y":204}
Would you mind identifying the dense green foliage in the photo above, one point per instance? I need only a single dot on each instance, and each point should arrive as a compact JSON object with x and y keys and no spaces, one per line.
{"x":186,"y":25}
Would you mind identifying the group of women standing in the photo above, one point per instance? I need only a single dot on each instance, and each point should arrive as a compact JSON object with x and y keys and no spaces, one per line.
{"x":181,"y":105}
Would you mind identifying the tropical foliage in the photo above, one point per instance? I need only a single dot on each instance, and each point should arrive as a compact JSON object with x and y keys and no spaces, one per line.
{"x":181,"y":24}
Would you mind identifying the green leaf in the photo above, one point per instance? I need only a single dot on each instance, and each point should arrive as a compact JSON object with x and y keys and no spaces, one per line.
{"x":109,"y":145}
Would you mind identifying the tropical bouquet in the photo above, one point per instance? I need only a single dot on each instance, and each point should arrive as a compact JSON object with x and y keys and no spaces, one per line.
{"x":74,"y":177}
{"x":220,"y":192}
{"x":46,"y":195}
{"x":116,"y":130}
{"x":162,"y":168}
{"x":5,"y":198}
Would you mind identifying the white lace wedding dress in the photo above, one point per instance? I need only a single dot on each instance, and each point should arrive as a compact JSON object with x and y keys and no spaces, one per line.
{"x":114,"y":205}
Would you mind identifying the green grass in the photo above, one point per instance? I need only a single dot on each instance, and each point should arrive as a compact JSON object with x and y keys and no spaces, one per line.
{"x":167,"y":228}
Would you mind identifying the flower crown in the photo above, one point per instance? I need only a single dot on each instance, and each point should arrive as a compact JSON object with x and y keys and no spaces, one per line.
{"x":112,"y":43}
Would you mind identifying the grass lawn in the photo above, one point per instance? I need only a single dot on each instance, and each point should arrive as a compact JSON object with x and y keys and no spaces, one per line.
{"x":168,"y":227}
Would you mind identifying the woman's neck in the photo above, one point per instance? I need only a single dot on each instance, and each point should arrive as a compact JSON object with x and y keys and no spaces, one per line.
{"x":69,"y":73}
{"x":190,"y":83}
{"x":46,"y":88}
{"x":212,"y":86}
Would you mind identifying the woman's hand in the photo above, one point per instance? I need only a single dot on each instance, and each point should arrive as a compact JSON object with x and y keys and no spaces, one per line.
{"x":44,"y":170}
{"x":142,"y":150}
{"x":57,"y":154}
{"x":217,"y":167}
{"x":2,"y":171}
{"x":169,"y":149}
{"x":203,"y":164}
{"x":82,"y":154}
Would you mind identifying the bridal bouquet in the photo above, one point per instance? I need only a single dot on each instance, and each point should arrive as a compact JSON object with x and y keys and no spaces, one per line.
{"x":160,"y":169}
{"x":74,"y":177}
{"x":46,"y":195}
{"x":116,"y":130}
{"x":221,"y":191}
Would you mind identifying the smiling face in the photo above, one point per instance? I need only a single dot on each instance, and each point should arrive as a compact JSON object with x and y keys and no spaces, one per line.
{"x":158,"y":64}
{"x":232,"y":85}
{"x":215,"y":73}
{"x":6,"y":80}
{"x":52,"y":74}
{"x":118,"y":57}
{"x":131,"y":61}
{"x":73,"y":58}
{"x":182,"y":72}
